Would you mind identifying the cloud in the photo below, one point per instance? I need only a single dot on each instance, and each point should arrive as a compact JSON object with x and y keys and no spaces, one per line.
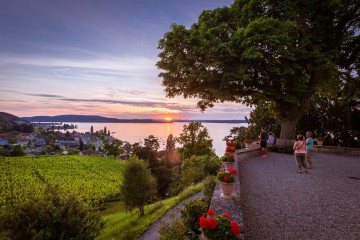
{"x":44,"y":95}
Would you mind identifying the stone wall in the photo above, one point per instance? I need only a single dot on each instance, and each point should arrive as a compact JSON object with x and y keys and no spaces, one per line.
{"x":338,"y":150}
{"x":233,"y":206}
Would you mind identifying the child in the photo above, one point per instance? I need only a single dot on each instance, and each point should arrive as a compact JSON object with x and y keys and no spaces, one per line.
{"x":309,"y":149}
{"x":300,"y":151}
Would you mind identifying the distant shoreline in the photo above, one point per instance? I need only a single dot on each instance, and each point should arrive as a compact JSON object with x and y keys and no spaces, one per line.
{"x":100,"y":119}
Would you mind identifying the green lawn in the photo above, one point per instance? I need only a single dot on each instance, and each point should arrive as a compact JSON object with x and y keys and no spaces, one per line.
{"x":126,"y":225}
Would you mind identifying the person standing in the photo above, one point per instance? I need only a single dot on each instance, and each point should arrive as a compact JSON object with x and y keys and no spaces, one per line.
{"x":309,"y":149}
{"x":300,"y":152}
{"x":263,"y":140}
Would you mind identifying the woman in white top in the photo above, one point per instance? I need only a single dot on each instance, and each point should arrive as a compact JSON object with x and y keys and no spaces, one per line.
{"x":300,"y":153}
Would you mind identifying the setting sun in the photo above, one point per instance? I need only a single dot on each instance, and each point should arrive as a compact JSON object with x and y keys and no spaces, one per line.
{"x":168,"y":118}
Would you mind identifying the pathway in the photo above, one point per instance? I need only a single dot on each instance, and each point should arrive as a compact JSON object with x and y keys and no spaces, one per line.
{"x":279,"y":203}
{"x":152,"y":232}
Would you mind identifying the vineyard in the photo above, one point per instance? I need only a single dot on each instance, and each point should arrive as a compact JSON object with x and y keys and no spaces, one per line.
{"x":93,"y":179}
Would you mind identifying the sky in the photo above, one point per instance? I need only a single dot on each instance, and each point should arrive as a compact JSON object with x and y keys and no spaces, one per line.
{"x":94,"y":57}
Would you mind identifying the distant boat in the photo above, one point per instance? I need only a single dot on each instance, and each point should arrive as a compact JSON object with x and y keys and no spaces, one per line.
{"x":113,"y":132}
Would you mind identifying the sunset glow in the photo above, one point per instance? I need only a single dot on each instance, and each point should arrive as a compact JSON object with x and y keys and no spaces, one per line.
{"x":168,"y":118}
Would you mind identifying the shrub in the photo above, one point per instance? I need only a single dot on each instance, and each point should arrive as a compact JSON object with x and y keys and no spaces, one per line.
{"x":228,"y":157}
{"x":209,"y":186}
{"x":192,"y":175}
{"x":191,"y":213}
{"x":52,"y":216}
{"x":209,"y":163}
{"x":173,"y":230}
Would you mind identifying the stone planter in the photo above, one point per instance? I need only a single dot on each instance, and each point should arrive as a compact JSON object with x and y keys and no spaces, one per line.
{"x":228,"y":165}
{"x":248,"y":145}
{"x":226,"y":189}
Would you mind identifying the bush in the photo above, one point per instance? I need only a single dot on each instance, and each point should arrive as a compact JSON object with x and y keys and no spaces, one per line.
{"x":173,"y":230}
{"x":209,"y":163}
{"x":52,"y":216}
{"x":209,"y":186}
{"x":191,"y":213}
{"x":192,"y":175}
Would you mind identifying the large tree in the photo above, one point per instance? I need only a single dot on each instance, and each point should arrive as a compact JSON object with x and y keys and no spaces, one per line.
{"x":258,"y":50}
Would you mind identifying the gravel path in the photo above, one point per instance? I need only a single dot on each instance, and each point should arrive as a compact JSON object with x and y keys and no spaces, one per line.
{"x":279,"y":203}
{"x":152,"y":232}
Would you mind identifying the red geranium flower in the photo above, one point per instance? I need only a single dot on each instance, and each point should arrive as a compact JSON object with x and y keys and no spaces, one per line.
{"x":228,"y":148}
{"x":235,"y":229}
{"x":202,"y":222}
{"x":232,"y":171}
{"x":210,"y":212}
{"x":227,"y":154}
{"x":227,"y":215}
{"x":211,"y":223}
{"x":226,"y":178}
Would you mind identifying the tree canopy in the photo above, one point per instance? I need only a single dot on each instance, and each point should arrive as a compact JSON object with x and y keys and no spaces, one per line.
{"x":274,"y":51}
{"x":195,"y":140}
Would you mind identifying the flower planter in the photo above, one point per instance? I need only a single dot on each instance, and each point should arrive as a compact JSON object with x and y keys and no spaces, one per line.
{"x":248,"y":145}
{"x":226,"y":189}
{"x":232,"y":143}
{"x":228,"y":165}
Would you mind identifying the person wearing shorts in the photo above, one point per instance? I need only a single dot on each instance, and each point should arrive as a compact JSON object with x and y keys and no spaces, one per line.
{"x":263,"y":140}
{"x":309,"y":149}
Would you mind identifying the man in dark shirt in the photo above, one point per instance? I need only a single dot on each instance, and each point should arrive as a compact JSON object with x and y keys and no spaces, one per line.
{"x":263,"y":140}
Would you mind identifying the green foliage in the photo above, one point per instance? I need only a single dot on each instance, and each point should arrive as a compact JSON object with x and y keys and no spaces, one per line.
{"x":54,"y":215}
{"x":209,"y":163}
{"x":337,"y":119}
{"x":176,"y":185}
{"x":192,"y":175}
{"x":227,"y":158}
{"x":222,"y":231}
{"x":129,"y":225}
{"x":114,"y":149}
{"x":163,"y":178}
{"x":139,"y":185}
{"x":173,"y":230}
{"x":256,"y":51}
{"x":17,"y":151}
{"x":191,"y":213}
{"x":195,"y":140}
{"x":94,"y":179}
{"x":209,"y":186}
{"x":225,"y":177}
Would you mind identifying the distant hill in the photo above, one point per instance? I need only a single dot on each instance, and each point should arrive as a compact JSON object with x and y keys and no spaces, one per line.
{"x":100,"y":119}
{"x":89,"y":118}
{"x":9,"y":122}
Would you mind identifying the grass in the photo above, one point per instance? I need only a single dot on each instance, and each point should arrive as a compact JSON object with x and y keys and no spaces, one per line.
{"x":122,"y":224}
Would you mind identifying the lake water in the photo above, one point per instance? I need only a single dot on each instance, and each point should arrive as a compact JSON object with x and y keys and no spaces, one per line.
{"x":135,"y":132}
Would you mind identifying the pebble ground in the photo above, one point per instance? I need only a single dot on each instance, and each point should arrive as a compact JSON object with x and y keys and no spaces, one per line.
{"x":279,"y":203}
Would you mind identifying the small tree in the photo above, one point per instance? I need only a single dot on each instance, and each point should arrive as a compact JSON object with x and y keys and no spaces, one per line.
{"x":139,"y":185}
{"x":195,"y":140}
{"x":17,"y":151}
{"x":91,"y":130}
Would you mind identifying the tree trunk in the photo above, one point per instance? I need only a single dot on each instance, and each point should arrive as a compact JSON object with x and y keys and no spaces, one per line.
{"x":288,"y":127}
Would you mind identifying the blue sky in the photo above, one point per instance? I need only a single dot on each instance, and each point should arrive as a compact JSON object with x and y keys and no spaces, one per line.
{"x":94,"y":57}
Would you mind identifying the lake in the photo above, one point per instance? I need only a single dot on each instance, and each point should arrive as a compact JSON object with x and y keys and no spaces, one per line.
{"x":135,"y":132}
